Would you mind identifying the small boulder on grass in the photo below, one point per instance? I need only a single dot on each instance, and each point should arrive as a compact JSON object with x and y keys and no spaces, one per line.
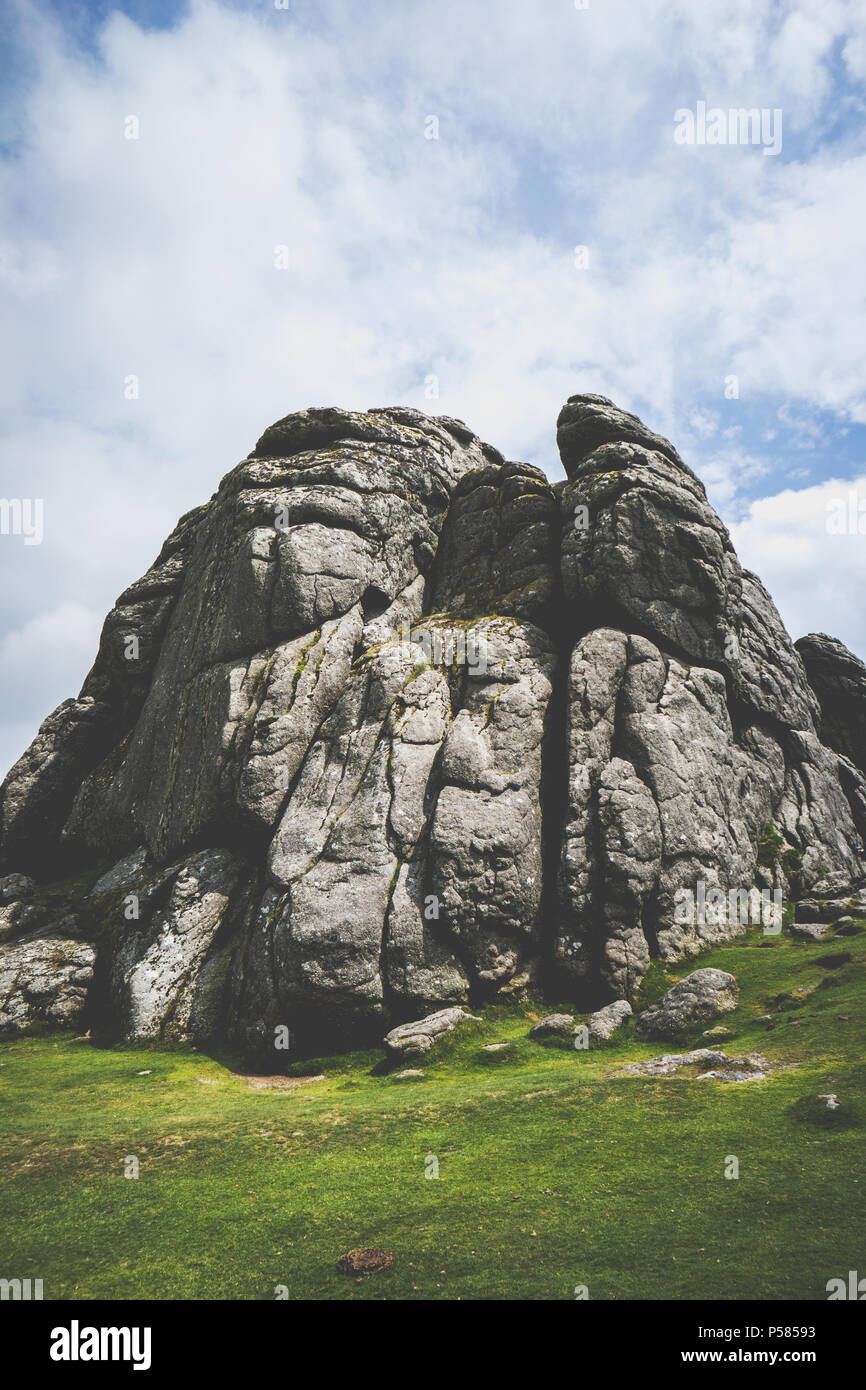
{"x":552,"y":1025}
{"x":699,"y":998}
{"x":414,"y":1039}
{"x":810,"y":931}
{"x":604,"y":1022}
{"x":365,"y":1260}
{"x":821,"y":910}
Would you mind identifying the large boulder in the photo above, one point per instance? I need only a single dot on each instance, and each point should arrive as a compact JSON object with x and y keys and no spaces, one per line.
{"x":602,"y":1024}
{"x":44,"y":981}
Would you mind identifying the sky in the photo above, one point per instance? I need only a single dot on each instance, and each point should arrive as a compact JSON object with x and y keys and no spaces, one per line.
{"x":214,"y":213}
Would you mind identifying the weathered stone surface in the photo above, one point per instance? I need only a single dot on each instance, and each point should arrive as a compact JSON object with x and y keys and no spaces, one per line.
{"x":486,"y":851}
{"x":18,"y":913}
{"x":38,"y":792}
{"x":604,"y":1022}
{"x":20,"y":917}
{"x":551,"y":1025}
{"x":810,"y":931}
{"x":826,"y":910}
{"x":701,"y":996}
{"x":392,"y":726}
{"x":670,"y":1062}
{"x":299,"y":536}
{"x":15,"y":887}
{"x":714,"y":1066}
{"x":123,"y":874}
{"x":587,"y":422}
{"x":498,"y":547}
{"x":43,"y":981}
{"x":412,"y":1039}
{"x":741,"y":1069}
{"x":166,"y":982}
{"x":838,"y":678}
{"x":661,"y":798}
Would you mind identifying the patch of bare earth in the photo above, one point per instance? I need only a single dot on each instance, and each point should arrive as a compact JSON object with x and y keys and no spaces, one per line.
{"x":277,"y":1083}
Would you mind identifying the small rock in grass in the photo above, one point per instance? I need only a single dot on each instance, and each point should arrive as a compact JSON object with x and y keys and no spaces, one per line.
{"x":810,"y":931}
{"x":670,"y":1062}
{"x":731,"y":1074}
{"x":720,"y":1067}
{"x":410,"y":1039}
{"x":365,"y":1260}
{"x":751,"y":1067}
{"x":552,"y":1024}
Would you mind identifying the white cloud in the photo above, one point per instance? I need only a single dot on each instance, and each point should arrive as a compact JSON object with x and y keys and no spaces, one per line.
{"x":41,"y":664}
{"x":816,"y":575}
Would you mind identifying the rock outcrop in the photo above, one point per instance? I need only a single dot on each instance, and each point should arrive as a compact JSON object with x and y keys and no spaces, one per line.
{"x":394,"y":725}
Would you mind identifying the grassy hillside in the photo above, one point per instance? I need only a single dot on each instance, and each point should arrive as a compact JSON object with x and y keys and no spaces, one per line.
{"x":554,"y":1171}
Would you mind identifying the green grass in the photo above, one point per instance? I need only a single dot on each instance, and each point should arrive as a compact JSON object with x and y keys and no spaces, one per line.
{"x":553,"y":1170}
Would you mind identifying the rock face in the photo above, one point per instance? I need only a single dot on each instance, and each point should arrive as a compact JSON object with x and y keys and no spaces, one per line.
{"x":838,"y":678}
{"x":44,"y":981}
{"x":394,"y":725}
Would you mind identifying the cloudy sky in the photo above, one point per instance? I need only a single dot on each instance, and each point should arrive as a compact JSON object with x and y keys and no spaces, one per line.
{"x":254,"y":206}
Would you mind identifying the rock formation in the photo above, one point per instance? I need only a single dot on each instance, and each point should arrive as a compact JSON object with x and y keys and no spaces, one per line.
{"x":838,"y":678}
{"x":393,"y":725}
